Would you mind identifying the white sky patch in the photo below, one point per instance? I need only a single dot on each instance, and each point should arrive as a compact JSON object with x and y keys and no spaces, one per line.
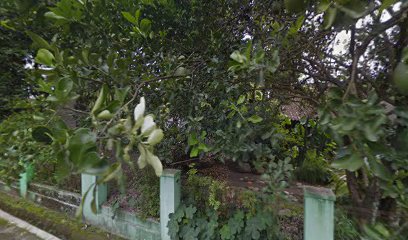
{"x":385,"y":15}
{"x":247,"y":37}
{"x":341,"y":43}
{"x":342,"y":39}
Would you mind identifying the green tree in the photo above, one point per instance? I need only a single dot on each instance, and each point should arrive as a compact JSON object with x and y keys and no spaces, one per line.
{"x":222,"y":78}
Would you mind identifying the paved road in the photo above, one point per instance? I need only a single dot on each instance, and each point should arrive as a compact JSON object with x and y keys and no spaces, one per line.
{"x":9,"y":231}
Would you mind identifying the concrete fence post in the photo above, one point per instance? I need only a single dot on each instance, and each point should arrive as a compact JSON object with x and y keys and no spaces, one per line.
{"x":319,"y":213}
{"x":101,"y":195}
{"x":23,"y":185}
{"x":170,"y":187}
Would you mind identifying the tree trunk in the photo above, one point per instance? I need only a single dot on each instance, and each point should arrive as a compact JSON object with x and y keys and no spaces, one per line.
{"x":365,"y":198}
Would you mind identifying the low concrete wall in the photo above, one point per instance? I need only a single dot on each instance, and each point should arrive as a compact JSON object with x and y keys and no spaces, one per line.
{"x":128,"y":225}
{"x":120,"y":222}
{"x":47,"y":196}
{"x":319,"y":207}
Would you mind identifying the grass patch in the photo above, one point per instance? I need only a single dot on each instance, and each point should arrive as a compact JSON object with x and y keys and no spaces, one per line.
{"x":3,"y":222}
{"x":56,"y":223}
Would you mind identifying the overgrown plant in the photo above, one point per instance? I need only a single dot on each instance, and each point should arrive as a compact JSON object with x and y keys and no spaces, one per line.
{"x":178,"y":57}
{"x":211,"y":210}
{"x":20,"y":152}
{"x":314,"y":169}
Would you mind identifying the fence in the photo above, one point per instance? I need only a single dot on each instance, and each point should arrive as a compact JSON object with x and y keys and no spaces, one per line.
{"x":318,"y":208}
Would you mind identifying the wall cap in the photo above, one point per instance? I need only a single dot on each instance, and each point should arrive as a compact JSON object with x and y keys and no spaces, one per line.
{"x":319,"y":193}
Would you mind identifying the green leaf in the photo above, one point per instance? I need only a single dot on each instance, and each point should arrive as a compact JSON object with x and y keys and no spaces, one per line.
{"x":379,"y":169}
{"x":238,"y":57}
{"x":137,"y":16}
{"x":194,"y":152}
{"x":295,"y":6}
{"x":400,"y":77}
{"x":350,"y":162}
{"x":71,"y":10}
{"x":42,"y":134}
{"x":85,"y":54}
{"x":236,"y":223}
{"x":255,"y":119}
{"x":350,"y":124}
{"x":329,"y":17}
{"x":63,"y":167}
{"x":45,"y":57}
{"x":385,"y":4}
{"x":181,"y":71}
{"x":148,"y":3}
{"x":297,"y":25}
{"x":323,"y":6}
{"x":121,"y":93}
{"x":52,"y":15}
{"x":252,"y":227}
{"x":39,"y":41}
{"x":142,"y":160}
{"x":354,"y":9}
{"x":248,"y":50}
{"x":80,"y":209}
{"x":155,"y":162}
{"x":225,"y":232}
{"x":90,"y":161}
{"x":241,"y":99}
{"x":145,"y":26}
{"x":113,"y":106}
{"x":4,"y":24}
{"x":101,"y":99}
{"x":93,"y":205}
{"x":64,"y":87}
{"x":404,"y":57}
{"x":203,"y":147}
{"x":376,"y":232}
{"x":370,"y":133}
{"x":192,"y":139}
{"x":113,"y":171}
{"x":82,"y":142}
{"x":129,"y":17}
{"x":105,"y":115}
{"x":190,"y":210}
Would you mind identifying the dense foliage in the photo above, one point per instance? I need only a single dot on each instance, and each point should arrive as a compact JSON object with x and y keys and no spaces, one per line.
{"x":21,"y":153}
{"x":216,"y":84}
{"x":212,"y":210}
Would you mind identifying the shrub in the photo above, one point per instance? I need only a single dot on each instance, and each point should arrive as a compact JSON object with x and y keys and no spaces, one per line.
{"x":20,"y":152}
{"x":314,"y":169}
{"x":345,"y":227}
{"x":212,"y":210}
{"x":148,"y":202}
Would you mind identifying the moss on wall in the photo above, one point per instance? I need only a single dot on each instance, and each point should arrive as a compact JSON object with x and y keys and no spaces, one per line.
{"x":58,"y":224}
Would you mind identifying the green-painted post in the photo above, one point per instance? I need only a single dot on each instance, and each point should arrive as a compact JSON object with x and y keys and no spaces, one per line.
{"x":23,"y":185}
{"x":319,"y":213}
{"x":101,"y":194}
{"x":169,"y":198}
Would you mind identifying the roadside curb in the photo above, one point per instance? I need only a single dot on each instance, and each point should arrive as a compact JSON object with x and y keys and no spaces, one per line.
{"x":26,"y":226}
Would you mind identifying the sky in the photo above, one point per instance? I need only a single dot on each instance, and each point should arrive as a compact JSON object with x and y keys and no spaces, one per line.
{"x":343,"y":38}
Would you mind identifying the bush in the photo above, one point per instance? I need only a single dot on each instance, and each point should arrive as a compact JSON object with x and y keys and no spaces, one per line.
{"x":345,"y":227}
{"x":211,"y":210}
{"x":314,"y":169}
{"x":148,"y":202}
{"x":139,"y":192}
{"x":20,"y":152}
